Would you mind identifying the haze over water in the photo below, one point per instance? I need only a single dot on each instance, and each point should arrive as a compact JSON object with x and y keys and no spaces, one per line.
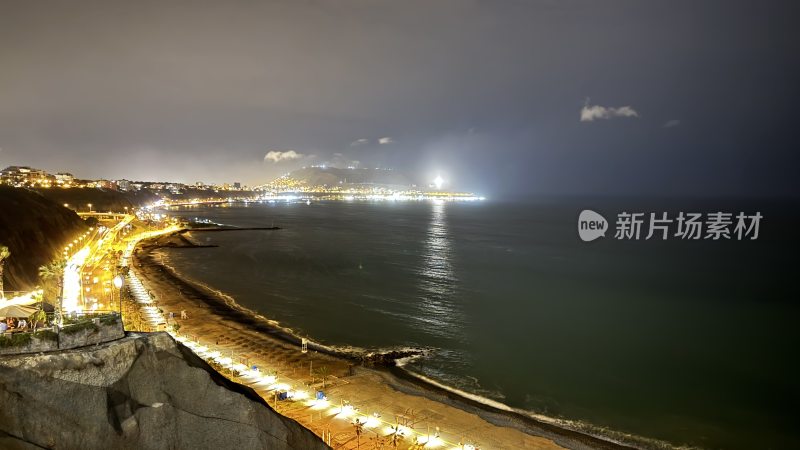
{"x":690,"y":342}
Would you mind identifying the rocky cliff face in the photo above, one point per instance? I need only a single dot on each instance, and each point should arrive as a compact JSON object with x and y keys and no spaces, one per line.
{"x":35,"y":230}
{"x":145,"y":391}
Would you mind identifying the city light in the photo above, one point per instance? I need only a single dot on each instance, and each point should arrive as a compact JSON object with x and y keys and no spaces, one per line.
{"x":372,"y":421}
{"x":343,"y":412}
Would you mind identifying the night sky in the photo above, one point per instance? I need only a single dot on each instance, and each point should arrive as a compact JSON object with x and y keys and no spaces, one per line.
{"x":530,"y":97}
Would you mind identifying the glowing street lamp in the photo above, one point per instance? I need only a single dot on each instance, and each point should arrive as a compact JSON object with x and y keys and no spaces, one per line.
{"x":90,"y":206}
{"x":118,"y":282}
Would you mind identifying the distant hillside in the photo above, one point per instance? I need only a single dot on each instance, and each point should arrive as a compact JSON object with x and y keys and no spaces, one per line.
{"x":101,"y":199}
{"x":330,"y":176}
{"x":192,"y":193}
{"x":110,"y":200}
{"x":35,"y":230}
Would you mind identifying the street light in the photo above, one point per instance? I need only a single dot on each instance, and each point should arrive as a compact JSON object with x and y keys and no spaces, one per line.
{"x":118,"y":282}
{"x":90,"y":206}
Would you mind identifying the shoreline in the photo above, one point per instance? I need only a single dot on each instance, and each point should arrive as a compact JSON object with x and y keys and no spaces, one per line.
{"x":379,"y":367}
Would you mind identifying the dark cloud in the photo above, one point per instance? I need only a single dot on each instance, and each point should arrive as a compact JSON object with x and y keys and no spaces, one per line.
{"x":198,"y":90}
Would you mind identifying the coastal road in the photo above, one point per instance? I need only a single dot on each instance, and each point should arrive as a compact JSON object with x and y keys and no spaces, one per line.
{"x":91,"y":253}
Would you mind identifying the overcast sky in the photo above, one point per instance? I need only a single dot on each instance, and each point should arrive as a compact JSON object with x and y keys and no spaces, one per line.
{"x":540,"y":97}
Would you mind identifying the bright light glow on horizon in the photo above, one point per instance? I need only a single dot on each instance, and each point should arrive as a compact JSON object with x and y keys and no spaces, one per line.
{"x":438,"y":181}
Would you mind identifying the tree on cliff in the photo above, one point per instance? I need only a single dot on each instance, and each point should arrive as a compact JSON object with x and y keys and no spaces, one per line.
{"x":55,"y":271}
{"x":4,"y":253}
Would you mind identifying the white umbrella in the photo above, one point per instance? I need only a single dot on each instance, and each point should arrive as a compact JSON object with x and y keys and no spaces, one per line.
{"x":16,"y":311}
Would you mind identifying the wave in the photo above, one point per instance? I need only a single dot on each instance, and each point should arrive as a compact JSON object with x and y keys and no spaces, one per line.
{"x":579,"y":426}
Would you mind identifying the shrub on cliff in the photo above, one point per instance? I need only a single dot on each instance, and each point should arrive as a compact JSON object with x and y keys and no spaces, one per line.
{"x":15,"y":340}
{"x":81,"y":326}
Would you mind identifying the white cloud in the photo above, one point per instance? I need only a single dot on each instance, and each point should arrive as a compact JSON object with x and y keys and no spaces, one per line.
{"x":277,"y":156}
{"x":358,"y":142}
{"x":385,"y":140}
{"x":594,"y":112}
{"x":672,"y":123}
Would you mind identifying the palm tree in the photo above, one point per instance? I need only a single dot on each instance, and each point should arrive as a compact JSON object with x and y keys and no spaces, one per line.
{"x":358,"y":425}
{"x":323,"y":373}
{"x":4,"y":254}
{"x":39,"y":316}
{"x":55,"y":271}
{"x":395,"y":437}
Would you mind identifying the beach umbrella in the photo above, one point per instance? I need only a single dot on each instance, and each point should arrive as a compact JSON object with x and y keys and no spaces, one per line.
{"x":16,"y":311}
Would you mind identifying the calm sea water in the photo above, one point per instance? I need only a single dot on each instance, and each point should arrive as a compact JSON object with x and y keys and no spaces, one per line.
{"x":689,"y":342}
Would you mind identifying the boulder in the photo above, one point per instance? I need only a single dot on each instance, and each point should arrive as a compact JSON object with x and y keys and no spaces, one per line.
{"x":145,"y":391}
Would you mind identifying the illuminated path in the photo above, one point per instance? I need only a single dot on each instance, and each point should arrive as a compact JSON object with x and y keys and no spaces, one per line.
{"x":72,"y":280}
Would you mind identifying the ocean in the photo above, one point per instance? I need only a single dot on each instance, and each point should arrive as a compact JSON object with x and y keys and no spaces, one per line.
{"x":692,"y":342}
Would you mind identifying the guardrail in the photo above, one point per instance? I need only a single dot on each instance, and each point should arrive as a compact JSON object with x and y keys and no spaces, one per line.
{"x":97,"y":313}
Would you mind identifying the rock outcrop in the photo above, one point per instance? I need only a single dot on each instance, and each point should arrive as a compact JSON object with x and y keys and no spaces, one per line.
{"x":144,"y":391}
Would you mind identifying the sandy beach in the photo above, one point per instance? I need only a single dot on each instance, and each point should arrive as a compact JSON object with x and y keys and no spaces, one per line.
{"x":213,"y":319}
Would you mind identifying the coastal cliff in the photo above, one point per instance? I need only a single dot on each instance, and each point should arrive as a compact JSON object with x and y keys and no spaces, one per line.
{"x":145,"y":391}
{"x":35,"y":230}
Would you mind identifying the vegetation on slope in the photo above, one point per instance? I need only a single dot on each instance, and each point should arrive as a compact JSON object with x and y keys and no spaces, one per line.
{"x":35,"y":231}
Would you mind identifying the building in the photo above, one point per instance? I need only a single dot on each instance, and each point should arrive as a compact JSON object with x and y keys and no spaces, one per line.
{"x":124,"y":185}
{"x":25,"y":176}
{"x":64,"y":179}
{"x":105,"y":184}
{"x":237,"y":186}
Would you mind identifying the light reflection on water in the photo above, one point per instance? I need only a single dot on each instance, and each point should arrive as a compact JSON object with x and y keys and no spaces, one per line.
{"x":438,"y":280}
